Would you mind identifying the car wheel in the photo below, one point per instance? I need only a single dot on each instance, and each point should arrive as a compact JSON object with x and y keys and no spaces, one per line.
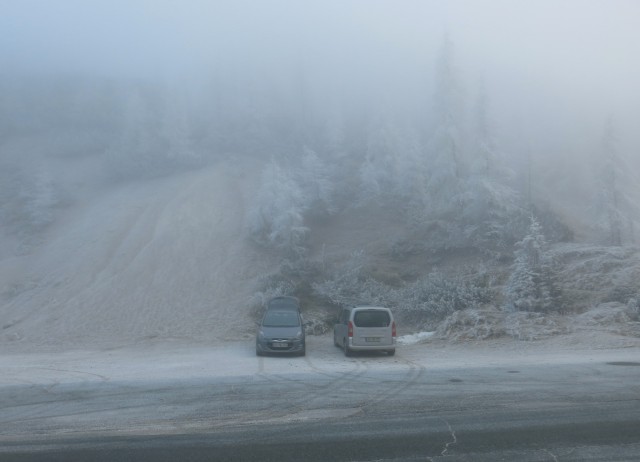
{"x":335,"y":340}
{"x":347,"y":350}
{"x":258,"y":352}
{"x":303,"y":352}
{"x":391,"y":352}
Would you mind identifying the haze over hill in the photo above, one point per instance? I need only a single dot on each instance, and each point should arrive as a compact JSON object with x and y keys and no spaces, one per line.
{"x":164,"y":167}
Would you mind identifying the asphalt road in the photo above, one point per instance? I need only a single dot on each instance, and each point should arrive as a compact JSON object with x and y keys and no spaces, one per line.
{"x":537,"y":412}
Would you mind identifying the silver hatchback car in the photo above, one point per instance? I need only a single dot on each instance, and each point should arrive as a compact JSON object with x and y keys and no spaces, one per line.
{"x":365,"y":328}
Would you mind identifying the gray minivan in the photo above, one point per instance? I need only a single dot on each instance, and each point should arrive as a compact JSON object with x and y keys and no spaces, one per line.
{"x":365,"y":328}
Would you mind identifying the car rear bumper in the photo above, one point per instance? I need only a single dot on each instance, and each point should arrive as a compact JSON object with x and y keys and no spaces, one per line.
{"x":372,"y":346}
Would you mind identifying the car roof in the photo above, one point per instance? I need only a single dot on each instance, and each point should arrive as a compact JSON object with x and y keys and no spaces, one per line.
{"x":365,"y":307}
{"x":283,"y":303}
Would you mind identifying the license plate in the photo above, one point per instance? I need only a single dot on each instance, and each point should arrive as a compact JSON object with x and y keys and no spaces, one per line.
{"x":280,"y":345}
{"x":372,"y":339}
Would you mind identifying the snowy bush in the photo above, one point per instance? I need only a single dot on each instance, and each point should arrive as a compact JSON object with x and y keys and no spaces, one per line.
{"x":424,"y":301}
{"x":621,"y":293}
{"x":633,"y":309}
{"x":532,"y":326}
{"x":436,"y":296}
{"x":349,"y":284}
{"x":609,"y":315}
{"x":476,"y":324}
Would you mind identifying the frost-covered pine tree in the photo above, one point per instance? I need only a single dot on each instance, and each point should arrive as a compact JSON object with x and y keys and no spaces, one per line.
{"x":530,"y":286}
{"x":617,"y":211}
{"x":315,"y":180}
{"x":445,"y":158}
{"x":392,"y":169}
{"x":377,"y":171}
{"x":276,"y":217}
{"x":490,"y":200}
{"x":439,"y":210}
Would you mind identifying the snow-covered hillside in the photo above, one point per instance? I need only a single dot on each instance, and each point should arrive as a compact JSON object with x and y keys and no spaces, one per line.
{"x":159,"y":258}
{"x":169,"y":259}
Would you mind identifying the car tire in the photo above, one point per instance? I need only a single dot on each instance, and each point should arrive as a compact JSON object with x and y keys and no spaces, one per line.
{"x":391,"y":352}
{"x":258,"y":352}
{"x":335,"y":340}
{"x":347,"y":350}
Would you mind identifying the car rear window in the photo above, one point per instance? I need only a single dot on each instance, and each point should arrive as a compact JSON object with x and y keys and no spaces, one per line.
{"x":283,"y":303}
{"x":281,"y":319}
{"x":371,"y":318}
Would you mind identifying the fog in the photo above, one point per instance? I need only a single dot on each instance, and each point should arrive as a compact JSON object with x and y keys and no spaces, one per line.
{"x":168,"y":166}
{"x":552,"y":73}
{"x":583,"y":48}
{"x":172,"y":163}
{"x":581,"y":54}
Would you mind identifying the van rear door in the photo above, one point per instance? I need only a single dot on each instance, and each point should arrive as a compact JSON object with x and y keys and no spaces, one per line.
{"x":372,"y":327}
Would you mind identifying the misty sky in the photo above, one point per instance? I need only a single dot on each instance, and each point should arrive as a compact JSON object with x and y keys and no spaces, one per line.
{"x":583,"y":54}
{"x":560,"y":40}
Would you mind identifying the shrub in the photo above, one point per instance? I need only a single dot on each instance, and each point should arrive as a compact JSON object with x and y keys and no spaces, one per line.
{"x":436,"y":296}
{"x":426,"y":300}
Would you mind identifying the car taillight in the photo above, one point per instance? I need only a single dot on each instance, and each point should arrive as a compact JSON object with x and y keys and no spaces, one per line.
{"x":393,"y":328}
{"x":350,"y":329}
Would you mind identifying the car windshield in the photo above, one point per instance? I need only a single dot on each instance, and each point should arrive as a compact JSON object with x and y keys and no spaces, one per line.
{"x":371,"y":318}
{"x":281,"y":319}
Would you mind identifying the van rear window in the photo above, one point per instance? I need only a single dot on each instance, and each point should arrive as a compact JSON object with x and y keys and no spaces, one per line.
{"x":371,"y":318}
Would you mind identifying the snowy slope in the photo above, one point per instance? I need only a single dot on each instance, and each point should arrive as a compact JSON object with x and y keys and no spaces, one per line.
{"x":167,"y":259}
{"x":162,"y":258}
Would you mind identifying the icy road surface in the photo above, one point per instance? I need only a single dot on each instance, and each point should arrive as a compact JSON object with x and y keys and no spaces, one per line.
{"x":486,"y":401}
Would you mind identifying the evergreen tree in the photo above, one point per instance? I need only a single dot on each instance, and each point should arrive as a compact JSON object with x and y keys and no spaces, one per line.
{"x":490,"y":201}
{"x":445,"y":159}
{"x":378,"y":169}
{"x":616,"y":208}
{"x":530,"y":286}
{"x":315,"y":181}
{"x":277,"y":215}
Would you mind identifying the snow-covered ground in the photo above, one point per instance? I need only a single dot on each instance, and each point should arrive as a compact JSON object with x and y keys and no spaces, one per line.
{"x":412,"y":339}
{"x":158,"y":361}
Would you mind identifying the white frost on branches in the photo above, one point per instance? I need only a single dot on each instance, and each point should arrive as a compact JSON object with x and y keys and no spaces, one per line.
{"x":277,"y":215}
{"x":530,"y":285}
